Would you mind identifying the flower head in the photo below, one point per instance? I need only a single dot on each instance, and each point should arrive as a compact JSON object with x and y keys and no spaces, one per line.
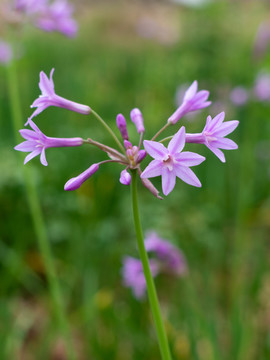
{"x":192,"y":101}
{"x":214,"y":132}
{"x":36,"y":143}
{"x":171,"y":162}
{"x":5,"y":52}
{"x":239,"y":96}
{"x":48,"y":98}
{"x":165,"y":258}
{"x":133,"y":275}
{"x":50,"y":15}
{"x":170,"y":258}
{"x":262,"y":87}
{"x":58,"y":17}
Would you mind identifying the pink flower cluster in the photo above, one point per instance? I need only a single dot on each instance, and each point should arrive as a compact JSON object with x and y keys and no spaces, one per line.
{"x":165,"y":259}
{"x":55,"y":15}
{"x":169,"y":162}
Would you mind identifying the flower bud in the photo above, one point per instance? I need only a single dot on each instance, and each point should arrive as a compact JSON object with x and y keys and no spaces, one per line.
{"x":127,"y":144}
{"x":141,"y":155}
{"x":76,"y":182}
{"x":122,"y":126}
{"x":125,"y":178}
{"x":137,"y":119}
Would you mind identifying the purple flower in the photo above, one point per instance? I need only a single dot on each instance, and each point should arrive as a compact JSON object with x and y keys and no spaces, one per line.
{"x":36,"y":143}
{"x":192,"y":101}
{"x":239,"y":96}
{"x":213,"y":135}
{"x":262,"y":39}
{"x":5,"y":52}
{"x":30,"y":7}
{"x":58,"y":17}
{"x":50,"y":15}
{"x":262,"y":87}
{"x":125,"y":178}
{"x":76,"y":182}
{"x":137,"y":119}
{"x":49,"y":98}
{"x":133,"y":275}
{"x":170,"y":258}
{"x":166,"y":258}
{"x":122,"y":126}
{"x":171,"y":162}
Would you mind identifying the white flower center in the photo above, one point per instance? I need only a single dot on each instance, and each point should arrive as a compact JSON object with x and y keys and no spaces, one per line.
{"x":168,"y":161}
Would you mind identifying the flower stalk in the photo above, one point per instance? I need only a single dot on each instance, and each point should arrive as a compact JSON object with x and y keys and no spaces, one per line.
{"x":151,"y":290}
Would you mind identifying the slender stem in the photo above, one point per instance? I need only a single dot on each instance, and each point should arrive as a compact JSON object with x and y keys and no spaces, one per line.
{"x":160,"y":131}
{"x":106,"y":148}
{"x":141,"y":139}
{"x":152,"y":294}
{"x":166,"y":138}
{"x":36,"y":213}
{"x":108,"y":129}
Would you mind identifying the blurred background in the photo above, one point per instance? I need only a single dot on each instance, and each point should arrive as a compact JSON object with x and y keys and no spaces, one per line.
{"x":126,"y":55}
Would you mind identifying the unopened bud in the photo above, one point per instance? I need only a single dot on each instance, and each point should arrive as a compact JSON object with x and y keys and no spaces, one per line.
{"x":137,"y":119}
{"x":125,"y":178}
{"x":76,"y":182}
{"x":122,"y":126}
{"x":127,"y":144}
{"x":141,"y":155}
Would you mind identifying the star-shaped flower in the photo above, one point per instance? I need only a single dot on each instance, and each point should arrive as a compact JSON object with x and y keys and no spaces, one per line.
{"x":36,"y":143}
{"x":48,"y":98}
{"x":214,"y":132}
{"x":192,"y":101}
{"x":171,"y":162}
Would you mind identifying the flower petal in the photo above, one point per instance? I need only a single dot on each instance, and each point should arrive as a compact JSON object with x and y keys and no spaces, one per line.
{"x":43,"y":158}
{"x":34,"y":127}
{"x":216,"y":122}
{"x":188,"y":158}
{"x":26,"y":146}
{"x":32,"y":155}
{"x":29,"y":134}
{"x":200,"y":98}
{"x":35,"y":113}
{"x":224,"y":143}
{"x":45,"y":84}
{"x":187,"y":175}
{"x":178,"y":141}
{"x":226,"y":128}
{"x":217,"y":152}
{"x":168,"y":180}
{"x":155,"y":149}
{"x":152,"y":170}
{"x":191,"y":91}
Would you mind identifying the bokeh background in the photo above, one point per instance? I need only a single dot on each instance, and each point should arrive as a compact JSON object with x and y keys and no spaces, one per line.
{"x":126,"y":55}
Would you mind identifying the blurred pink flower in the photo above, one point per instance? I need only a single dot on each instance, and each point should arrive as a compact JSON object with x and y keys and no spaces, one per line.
{"x":239,"y":96}
{"x":262,"y":87}
{"x":6,"y":53}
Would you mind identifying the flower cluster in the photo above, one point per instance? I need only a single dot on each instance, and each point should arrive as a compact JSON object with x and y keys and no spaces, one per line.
{"x":168,"y":162}
{"x":260,"y":91}
{"x":6,"y":54}
{"x":165,"y":259}
{"x":48,"y":15}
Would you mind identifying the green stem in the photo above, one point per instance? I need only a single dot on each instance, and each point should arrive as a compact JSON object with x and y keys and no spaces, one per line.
{"x":152,"y":294}
{"x":36,"y":213}
{"x":160,"y":131}
{"x":108,"y":129}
